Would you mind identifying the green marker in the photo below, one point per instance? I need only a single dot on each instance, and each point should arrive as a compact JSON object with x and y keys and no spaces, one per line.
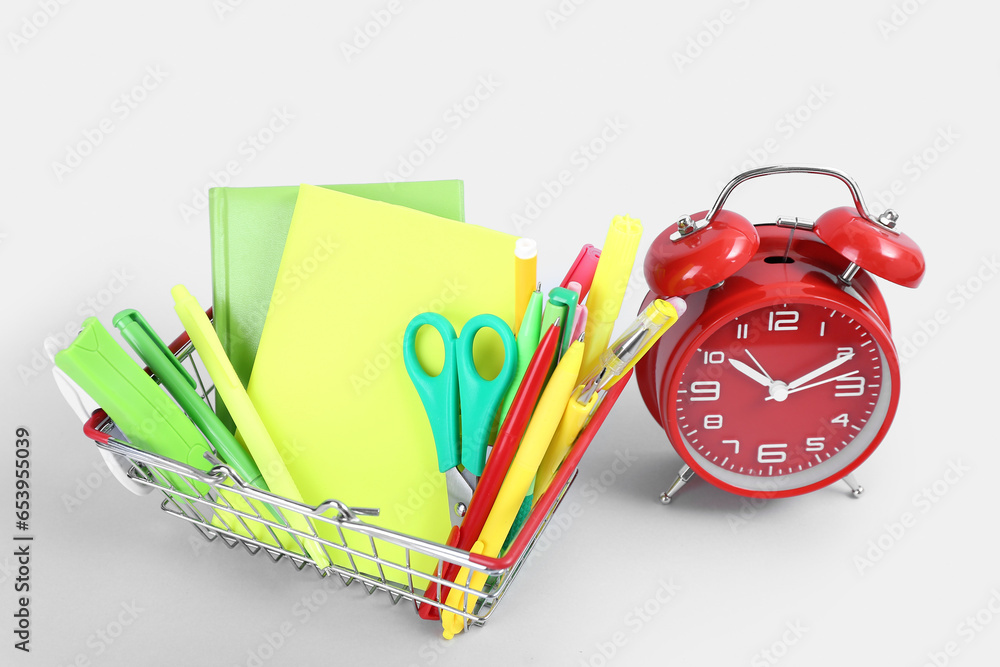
{"x":155,"y":353}
{"x":528,"y":337}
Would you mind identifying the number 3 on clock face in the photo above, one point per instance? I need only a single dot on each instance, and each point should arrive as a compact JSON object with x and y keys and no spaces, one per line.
{"x":782,"y":399}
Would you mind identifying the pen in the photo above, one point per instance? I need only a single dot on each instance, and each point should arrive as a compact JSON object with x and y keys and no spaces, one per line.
{"x":522,"y":469}
{"x":633,"y":344}
{"x":610,"y":280}
{"x":616,"y":361}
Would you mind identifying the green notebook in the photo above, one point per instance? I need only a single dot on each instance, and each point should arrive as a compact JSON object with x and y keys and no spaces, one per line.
{"x":248,"y":229}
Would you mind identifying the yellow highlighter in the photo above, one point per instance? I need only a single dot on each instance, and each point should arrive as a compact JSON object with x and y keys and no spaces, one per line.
{"x":616,"y":361}
{"x":522,"y":470}
{"x":251,"y":429}
{"x":610,"y":280}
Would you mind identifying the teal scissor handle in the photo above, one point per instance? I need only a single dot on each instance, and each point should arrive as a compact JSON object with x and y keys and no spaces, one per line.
{"x":479,"y":397}
{"x":439,"y":393}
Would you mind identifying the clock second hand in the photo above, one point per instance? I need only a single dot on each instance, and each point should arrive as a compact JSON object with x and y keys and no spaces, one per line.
{"x":815,"y":384}
{"x":754,"y":359}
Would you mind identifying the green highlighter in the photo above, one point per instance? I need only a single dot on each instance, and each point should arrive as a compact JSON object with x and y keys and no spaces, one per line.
{"x":172,"y":374}
{"x":146,"y":415}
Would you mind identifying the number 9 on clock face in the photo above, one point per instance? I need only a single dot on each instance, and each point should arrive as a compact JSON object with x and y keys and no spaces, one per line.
{"x":783,"y":399}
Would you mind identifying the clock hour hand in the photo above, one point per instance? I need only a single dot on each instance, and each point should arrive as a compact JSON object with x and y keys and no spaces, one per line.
{"x":819,"y":371}
{"x":751,"y":373}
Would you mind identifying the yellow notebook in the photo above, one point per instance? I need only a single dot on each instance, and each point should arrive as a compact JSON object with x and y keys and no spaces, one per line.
{"x":329,"y":380}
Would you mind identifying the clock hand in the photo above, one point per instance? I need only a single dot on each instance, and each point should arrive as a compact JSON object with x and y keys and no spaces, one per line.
{"x":816,"y":384}
{"x":751,"y":373}
{"x":819,"y":371}
{"x":754,"y":359}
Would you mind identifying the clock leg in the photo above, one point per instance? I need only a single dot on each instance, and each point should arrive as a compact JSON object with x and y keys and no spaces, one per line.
{"x":856,"y":488}
{"x":683,"y":477}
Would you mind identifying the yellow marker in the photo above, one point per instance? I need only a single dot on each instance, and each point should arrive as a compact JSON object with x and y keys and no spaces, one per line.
{"x":522,"y":470}
{"x":525,"y":271}
{"x":251,"y":428}
{"x":570,"y":425}
{"x":610,"y":280}
{"x":616,"y":361}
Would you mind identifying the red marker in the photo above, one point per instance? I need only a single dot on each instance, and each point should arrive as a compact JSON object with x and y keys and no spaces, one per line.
{"x":508,"y":439}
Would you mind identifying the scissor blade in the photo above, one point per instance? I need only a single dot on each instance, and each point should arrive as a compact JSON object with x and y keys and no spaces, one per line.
{"x":459,"y":495}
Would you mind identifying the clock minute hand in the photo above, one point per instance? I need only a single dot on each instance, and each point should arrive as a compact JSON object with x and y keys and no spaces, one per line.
{"x":819,"y":371}
{"x":750,"y":373}
{"x":837,"y":378}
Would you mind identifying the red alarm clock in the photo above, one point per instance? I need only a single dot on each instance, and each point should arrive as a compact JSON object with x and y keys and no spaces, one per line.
{"x":782,"y":378}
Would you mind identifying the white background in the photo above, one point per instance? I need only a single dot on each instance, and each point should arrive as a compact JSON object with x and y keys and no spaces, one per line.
{"x":870,"y":86}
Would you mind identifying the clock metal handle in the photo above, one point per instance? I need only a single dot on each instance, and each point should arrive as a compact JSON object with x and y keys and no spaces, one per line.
{"x":888,"y":219}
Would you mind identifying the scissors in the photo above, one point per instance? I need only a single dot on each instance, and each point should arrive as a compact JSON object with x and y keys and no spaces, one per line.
{"x":460,"y":392}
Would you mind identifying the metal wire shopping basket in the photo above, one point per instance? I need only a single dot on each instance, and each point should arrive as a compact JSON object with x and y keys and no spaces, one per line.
{"x":222,"y":507}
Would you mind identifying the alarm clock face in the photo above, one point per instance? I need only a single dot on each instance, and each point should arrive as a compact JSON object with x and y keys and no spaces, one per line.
{"x":784,"y":398}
